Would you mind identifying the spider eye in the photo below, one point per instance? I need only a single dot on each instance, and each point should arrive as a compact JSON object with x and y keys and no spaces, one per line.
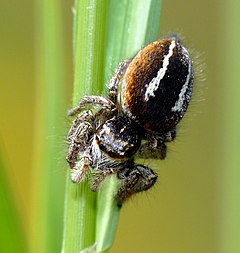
{"x":118,"y":137}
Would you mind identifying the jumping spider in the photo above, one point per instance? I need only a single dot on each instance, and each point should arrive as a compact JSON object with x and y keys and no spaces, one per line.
{"x":138,"y":120}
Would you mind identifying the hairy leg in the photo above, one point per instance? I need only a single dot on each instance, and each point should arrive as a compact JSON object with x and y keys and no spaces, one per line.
{"x":115,"y":80}
{"x":137,"y":179}
{"x":95,"y":101}
{"x":81,"y":168}
{"x":79,"y":142}
{"x":99,"y":177}
{"x":155,"y":146}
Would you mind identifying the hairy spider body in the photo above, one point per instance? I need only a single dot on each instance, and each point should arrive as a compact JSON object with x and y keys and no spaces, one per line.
{"x":156,"y":90}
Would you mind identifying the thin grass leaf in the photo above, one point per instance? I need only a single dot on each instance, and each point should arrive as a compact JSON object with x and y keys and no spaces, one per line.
{"x":229,"y":134}
{"x":11,"y":236}
{"x":48,"y":180}
{"x":89,"y":45}
{"x":128,"y":30}
{"x":131,"y":24}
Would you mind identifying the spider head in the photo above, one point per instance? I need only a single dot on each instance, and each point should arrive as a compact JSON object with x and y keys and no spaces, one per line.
{"x":118,"y":137}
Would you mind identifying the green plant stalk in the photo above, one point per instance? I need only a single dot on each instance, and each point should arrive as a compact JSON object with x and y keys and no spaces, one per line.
{"x":131,"y":25}
{"x":48,"y":175}
{"x":229,"y":133}
{"x":89,"y":44}
{"x":89,"y":38}
{"x":11,"y":237}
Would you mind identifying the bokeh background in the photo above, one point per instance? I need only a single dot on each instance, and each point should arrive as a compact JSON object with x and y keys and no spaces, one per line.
{"x":195,"y":206}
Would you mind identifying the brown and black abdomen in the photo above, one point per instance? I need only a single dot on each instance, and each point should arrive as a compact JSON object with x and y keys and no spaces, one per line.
{"x":157,"y":86}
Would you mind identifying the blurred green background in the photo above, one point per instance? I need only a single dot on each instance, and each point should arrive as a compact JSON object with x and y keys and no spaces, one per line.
{"x":195,"y":206}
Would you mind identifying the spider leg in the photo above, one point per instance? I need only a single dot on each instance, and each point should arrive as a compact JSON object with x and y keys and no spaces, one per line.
{"x":81,"y":168}
{"x":170,"y":136}
{"x":152,"y":149}
{"x":100,"y":177}
{"x":137,"y":179}
{"x":155,"y":146}
{"x":115,"y":80}
{"x":79,"y":145}
{"x":96,"y":101}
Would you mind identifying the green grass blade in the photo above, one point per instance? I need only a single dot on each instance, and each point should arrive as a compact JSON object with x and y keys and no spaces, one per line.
{"x":131,"y":24}
{"x":89,"y":44}
{"x":107,"y":216}
{"x":229,"y":134}
{"x":89,"y":36}
{"x":48,"y":180}
{"x":11,"y":237}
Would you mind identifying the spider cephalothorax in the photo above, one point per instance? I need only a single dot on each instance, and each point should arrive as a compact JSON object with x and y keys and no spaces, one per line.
{"x":156,"y":90}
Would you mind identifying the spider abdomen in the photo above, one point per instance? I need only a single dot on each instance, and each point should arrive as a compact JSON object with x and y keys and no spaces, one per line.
{"x":157,"y":86}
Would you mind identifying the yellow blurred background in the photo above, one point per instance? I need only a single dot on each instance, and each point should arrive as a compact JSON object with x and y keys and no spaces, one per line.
{"x":194,"y":208}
